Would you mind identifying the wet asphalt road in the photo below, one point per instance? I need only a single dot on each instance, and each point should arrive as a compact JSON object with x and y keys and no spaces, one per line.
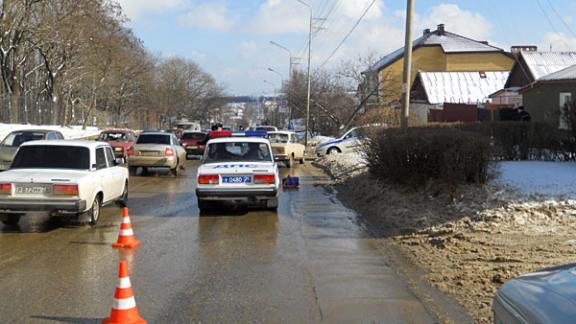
{"x":308,"y":262}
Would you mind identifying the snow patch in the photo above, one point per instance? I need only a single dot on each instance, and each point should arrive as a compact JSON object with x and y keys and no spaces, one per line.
{"x":69,"y":132}
{"x":536,"y":178}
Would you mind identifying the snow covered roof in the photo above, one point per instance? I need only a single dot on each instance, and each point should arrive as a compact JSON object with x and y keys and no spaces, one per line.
{"x":450,"y":43}
{"x":461,"y":87}
{"x":544,"y":63}
{"x":568,"y":73}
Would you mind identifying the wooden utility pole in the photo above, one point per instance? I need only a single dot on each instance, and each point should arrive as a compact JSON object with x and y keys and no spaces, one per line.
{"x":407,"y":75}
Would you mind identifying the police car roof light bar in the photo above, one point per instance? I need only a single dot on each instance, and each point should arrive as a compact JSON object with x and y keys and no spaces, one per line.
{"x":263,"y":134}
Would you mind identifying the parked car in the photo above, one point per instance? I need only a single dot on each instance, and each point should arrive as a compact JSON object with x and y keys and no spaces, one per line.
{"x":351,"y":141}
{"x":12,"y":142}
{"x":546,"y":296}
{"x":121,"y":140}
{"x":266,"y":128}
{"x":194,"y":143}
{"x":62,"y":177}
{"x":286,"y":148}
{"x":238,"y":169}
{"x":157,"y":150}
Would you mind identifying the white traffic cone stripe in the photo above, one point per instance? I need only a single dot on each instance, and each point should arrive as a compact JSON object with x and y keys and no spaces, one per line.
{"x":125,"y":220}
{"x":123,"y":283}
{"x":126,"y":232}
{"x":124,"y":304}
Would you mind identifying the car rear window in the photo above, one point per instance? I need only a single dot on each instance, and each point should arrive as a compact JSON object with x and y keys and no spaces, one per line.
{"x":52,"y":157}
{"x":16,"y":139}
{"x":154,"y":139}
{"x":238,"y":151}
{"x":114,"y":136}
{"x":194,"y":136}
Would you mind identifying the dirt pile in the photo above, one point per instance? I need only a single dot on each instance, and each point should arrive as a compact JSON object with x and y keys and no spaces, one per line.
{"x":468,"y":242}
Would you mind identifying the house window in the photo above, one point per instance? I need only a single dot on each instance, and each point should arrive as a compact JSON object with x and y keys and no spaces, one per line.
{"x":565,"y":100}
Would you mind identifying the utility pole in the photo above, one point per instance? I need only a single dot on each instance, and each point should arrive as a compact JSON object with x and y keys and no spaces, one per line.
{"x":289,"y":91}
{"x":309,"y":75}
{"x":407,"y":75}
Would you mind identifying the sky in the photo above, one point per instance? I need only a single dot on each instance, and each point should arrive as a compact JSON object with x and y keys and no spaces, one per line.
{"x":231,"y":38}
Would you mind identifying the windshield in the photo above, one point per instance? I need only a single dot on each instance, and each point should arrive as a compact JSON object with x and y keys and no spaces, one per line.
{"x":185,"y":126}
{"x":154,"y":139}
{"x":18,"y":138}
{"x":278,"y":138}
{"x":238,"y":151}
{"x":266,"y":128}
{"x":52,"y":157}
{"x":116,"y":136}
{"x":193,"y":136}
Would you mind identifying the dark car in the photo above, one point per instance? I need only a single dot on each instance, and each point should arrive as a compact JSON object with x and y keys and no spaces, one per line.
{"x":194,"y":143}
{"x":12,"y":142}
{"x":121,"y":140}
{"x":546,"y":296}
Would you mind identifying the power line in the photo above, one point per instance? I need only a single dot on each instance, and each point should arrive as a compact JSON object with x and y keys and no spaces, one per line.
{"x":348,"y":34}
{"x":550,"y":22}
{"x":561,"y":18}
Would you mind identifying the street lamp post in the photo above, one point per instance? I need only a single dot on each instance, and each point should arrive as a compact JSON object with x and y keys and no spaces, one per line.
{"x":275,"y":99}
{"x":280,"y":74}
{"x":309,"y":75}
{"x":290,"y":71}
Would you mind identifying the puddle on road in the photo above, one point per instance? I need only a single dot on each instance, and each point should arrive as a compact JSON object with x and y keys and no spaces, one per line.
{"x":33,"y":223}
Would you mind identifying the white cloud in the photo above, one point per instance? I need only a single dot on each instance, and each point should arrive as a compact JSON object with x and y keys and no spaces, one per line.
{"x":558,"y":41}
{"x":133,"y":9}
{"x":210,"y":15}
{"x":248,"y":49}
{"x":456,"y":20}
{"x":354,"y":8}
{"x":280,"y":16}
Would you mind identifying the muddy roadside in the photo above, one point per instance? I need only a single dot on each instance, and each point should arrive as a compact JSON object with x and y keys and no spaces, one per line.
{"x":456,"y":248}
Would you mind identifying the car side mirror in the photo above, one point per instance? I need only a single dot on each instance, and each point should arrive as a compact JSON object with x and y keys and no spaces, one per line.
{"x":120,"y":161}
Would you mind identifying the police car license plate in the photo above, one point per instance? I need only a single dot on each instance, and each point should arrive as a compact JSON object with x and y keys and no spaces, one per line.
{"x":236,"y":179}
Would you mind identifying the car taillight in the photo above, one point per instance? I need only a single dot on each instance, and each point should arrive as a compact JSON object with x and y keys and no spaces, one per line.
{"x":264,"y":179}
{"x":65,"y":190}
{"x":131,"y":152}
{"x":5,"y":188}
{"x":209,"y":179}
{"x":169,"y":152}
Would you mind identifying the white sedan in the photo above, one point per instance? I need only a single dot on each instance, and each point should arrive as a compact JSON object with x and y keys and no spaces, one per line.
{"x":238,"y":169}
{"x":62,"y":177}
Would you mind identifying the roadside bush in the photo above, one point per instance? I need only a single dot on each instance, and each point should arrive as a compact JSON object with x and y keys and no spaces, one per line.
{"x":422,"y":155}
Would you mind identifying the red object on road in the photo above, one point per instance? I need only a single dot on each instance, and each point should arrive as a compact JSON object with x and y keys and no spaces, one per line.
{"x":126,"y":238}
{"x":124,"y":308}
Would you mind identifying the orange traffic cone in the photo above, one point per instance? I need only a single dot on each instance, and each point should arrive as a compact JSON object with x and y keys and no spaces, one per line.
{"x":124,"y":308}
{"x":126,"y":238}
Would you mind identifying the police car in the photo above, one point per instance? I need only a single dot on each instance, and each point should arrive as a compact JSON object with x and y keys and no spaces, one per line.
{"x":238,"y":168}
{"x":351,"y":141}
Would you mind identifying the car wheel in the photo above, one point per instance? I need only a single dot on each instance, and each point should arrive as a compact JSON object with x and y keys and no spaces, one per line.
{"x":290,"y":162}
{"x":302,"y":160}
{"x":93,"y":214}
{"x":333,"y":150}
{"x":132,"y":170}
{"x":123,"y":201}
{"x":10,"y":219}
{"x":176,"y":169}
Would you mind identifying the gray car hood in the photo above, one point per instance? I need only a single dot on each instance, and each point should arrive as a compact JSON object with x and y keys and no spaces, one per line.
{"x":547,"y":296}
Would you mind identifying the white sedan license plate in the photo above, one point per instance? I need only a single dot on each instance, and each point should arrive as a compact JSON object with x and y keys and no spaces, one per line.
{"x":33,"y":189}
{"x":236,"y":179}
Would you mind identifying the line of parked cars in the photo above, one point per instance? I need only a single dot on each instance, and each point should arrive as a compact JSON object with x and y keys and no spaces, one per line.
{"x":45,"y":173}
